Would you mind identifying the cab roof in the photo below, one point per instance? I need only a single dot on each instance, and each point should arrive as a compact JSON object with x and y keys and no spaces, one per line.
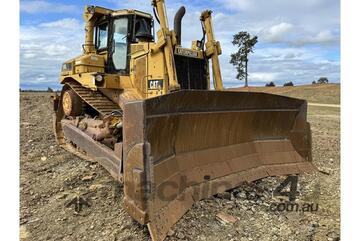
{"x":130,"y":11}
{"x":114,"y":13}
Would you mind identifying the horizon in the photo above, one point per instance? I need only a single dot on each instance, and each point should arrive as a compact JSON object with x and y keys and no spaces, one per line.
{"x":44,"y":89}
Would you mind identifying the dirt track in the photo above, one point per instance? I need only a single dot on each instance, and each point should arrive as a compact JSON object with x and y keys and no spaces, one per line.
{"x":50,"y":177}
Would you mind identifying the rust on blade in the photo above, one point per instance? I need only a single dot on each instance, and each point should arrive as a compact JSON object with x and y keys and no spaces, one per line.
{"x":190,"y":145}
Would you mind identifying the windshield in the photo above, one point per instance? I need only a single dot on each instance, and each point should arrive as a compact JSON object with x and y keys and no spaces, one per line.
{"x":120,"y":43}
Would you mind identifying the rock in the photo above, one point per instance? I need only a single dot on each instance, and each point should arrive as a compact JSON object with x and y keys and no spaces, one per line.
{"x":225,"y":218}
{"x":180,"y":235}
{"x":326,"y":171}
{"x":241,"y":195}
{"x":126,"y":226}
{"x":96,"y":187}
{"x":315,"y":224}
{"x":224,"y":195}
{"x":62,"y":196}
{"x":24,"y":234}
{"x":171,"y":233}
{"x":61,"y":219}
{"x":87,"y":178}
{"x":23,"y":221}
{"x":43,"y":158}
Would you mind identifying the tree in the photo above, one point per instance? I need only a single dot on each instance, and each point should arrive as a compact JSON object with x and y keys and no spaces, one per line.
{"x":323,"y":80}
{"x":270,"y":84}
{"x":50,"y":89}
{"x":240,"y":59}
{"x":290,"y":83}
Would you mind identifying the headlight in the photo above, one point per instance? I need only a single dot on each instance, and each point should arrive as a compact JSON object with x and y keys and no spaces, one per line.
{"x":99,"y":78}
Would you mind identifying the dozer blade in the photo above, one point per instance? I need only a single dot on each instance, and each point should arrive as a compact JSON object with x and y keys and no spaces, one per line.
{"x":189,"y":145}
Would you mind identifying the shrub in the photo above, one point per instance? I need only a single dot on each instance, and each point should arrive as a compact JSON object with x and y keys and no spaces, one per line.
{"x":323,"y":80}
{"x":270,"y":84}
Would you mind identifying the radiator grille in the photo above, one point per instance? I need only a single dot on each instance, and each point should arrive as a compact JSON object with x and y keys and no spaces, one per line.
{"x":191,"y":72}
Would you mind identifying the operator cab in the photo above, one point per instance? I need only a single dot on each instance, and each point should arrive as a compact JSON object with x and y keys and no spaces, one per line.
{"x":115,"y":33}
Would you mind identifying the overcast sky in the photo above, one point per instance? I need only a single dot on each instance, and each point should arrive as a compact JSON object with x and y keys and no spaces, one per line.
{"x":298,"y":39}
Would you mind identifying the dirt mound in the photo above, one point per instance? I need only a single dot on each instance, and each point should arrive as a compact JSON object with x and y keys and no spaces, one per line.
{"x":320,"y":93}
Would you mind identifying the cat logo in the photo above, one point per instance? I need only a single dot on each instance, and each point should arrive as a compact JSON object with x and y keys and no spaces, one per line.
{"x":155,"y":84}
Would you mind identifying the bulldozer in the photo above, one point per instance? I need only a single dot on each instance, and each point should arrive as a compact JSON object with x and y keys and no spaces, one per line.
{"x":145,"y":108}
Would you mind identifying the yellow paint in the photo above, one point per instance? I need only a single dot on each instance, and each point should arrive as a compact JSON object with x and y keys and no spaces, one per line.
{"x":213,"y":49}
{"x":151,"y":63}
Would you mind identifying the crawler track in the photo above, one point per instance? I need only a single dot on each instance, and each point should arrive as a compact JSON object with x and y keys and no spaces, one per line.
{"x":96,"y":100}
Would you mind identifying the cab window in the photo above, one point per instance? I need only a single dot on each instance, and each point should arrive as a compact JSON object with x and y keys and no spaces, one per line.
{"x":102,"y":36}
{"x":120,"y":42}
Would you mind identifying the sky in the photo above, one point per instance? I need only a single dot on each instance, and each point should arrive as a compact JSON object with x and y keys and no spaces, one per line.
{"x":299,"y":40}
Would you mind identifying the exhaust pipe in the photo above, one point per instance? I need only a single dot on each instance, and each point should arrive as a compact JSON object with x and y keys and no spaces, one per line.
{"x":177,"y":23}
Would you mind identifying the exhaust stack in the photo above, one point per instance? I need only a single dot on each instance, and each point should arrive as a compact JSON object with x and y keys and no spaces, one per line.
{"x":177,"y":23}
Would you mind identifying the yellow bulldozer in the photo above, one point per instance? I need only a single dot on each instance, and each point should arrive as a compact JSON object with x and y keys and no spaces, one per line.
{"x":144,"y":109}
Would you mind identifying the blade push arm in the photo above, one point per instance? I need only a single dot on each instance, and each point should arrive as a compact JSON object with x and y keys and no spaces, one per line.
{"x":213,"y":49}
{"x":165,"y":39}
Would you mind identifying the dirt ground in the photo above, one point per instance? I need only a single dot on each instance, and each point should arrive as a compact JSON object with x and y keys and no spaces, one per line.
{"x":50,"y":177}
